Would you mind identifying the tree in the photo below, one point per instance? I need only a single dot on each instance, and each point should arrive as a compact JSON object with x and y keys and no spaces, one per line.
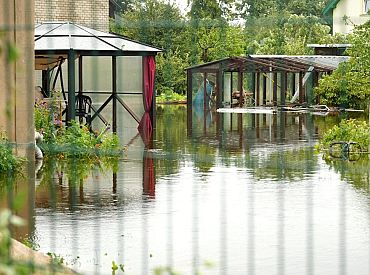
{"x":349,"y":85}
{"x":284,"y":34}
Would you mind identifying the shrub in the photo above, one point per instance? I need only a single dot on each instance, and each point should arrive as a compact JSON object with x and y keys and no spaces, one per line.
{"x":350,"y":130}
{"x":8,"y":161}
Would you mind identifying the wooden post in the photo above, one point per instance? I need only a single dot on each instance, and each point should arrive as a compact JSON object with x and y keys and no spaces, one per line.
{"x":274,"y":91}
{"x":114,"y":93}
{"x":253,"y":85}
{"x":293,"y":84}
{"x":258,"y":89}
{"x":231,"y":89}
{"x":301,"y":92}
{"x":240,"y":88}
{"x":283,"y":87}
{"x":189,"y":101}
{"x":220,"y":89}
{"x":205,"y":91}
{"x":71,"y":111}
{"x":264,"y":89}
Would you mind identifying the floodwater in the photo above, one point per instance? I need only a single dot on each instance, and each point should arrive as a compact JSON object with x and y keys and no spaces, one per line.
{"x":238,"y":194}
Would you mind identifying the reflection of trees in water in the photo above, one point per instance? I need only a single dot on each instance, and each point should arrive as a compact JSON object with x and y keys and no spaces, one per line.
{"x":61,"y":181}
{"x":171,"y":138}
{"x":356,"y":172}
{"x":284,"y":164}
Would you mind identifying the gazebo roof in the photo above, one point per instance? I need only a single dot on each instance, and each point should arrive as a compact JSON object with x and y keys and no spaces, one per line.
{"x":65,"y":36}
{"x":272,"y":63}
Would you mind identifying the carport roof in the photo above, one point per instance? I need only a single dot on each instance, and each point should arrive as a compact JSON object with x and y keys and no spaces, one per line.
{"x":272,"y":63}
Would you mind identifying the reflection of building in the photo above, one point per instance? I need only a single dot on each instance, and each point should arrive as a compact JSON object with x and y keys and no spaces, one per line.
{"x":343,"y":15}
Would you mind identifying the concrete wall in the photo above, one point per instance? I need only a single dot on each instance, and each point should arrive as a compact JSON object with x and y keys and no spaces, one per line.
{"x":17,"y":77}
{"x":354,"y":10}
{"x":90,"y":13}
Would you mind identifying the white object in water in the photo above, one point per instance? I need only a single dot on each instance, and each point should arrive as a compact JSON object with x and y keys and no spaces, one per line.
{"x":247,"y":110}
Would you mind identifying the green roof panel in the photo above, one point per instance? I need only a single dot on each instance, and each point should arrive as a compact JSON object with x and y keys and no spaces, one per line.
{"x":330,"y":6}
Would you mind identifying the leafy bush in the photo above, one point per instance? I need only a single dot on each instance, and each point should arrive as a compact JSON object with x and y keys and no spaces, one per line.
{"x":349,"y":131}
{"x":170,"y":96}
{"x":8,"y":161}
{"x":74,"y":140}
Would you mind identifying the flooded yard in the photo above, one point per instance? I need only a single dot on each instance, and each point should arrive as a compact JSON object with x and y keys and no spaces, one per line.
{"x":233,"y":194}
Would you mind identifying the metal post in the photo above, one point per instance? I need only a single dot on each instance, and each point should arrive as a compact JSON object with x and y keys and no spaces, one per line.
{"x":80,"y":76}
{"x":114,"y":93}
{"x":71,"y":111}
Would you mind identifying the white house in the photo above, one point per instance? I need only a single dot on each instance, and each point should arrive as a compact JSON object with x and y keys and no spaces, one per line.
{"x":346,"y":14}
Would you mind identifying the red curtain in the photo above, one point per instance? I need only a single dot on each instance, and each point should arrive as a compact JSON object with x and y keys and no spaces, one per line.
{"x":145,"y":126}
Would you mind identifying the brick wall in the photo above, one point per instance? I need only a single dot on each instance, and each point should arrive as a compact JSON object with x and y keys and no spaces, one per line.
{"x":90,"y":13}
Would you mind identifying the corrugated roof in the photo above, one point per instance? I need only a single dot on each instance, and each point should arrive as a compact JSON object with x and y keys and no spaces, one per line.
{"x":268,"y":63}
{"x":64,"y":36}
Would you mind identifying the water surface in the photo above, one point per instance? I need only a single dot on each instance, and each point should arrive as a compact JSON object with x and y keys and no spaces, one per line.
{"x":235,"y":194}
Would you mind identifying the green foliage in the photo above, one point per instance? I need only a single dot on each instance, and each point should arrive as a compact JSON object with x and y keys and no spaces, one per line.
{"x":7,"y":264}
{"x":170,"y":96}
{"x":285,"y":33}
{"x":45,"y":116}
{"x":258,"y":8}
{"x":349,"y":85}
{"x":170,"y":74}
{"x":349,"y":131}
{"x":76,"y":140}
{"x":9,"y":163}
{"x":208,"y":32}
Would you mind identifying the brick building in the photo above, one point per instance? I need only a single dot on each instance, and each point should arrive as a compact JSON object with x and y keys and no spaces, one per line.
{"x":89,"y":13}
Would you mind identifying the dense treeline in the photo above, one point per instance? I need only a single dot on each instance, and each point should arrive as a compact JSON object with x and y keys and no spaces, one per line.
{"x":215,"y":29}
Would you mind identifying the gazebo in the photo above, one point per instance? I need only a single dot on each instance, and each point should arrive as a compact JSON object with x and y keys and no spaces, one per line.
{"x":57,"y":42}
{"x":265,"y":80}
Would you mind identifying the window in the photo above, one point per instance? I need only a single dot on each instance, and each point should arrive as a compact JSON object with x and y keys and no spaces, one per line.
{"x":367,"y":5}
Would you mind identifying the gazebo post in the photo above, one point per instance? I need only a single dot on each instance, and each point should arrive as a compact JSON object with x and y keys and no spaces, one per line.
{"x":220,"y":85}
{"x":114,"y":93}
{"x":240,"y":87}
{"x":80,"y":78}
{"x":258,"y":76}
{"x":189,"y":79}
{"x":71,"y":111}
{"x":301,"y":92}
{"x":283,"y":81}
{"x":264,"y":89}
{"x":275,"y":89}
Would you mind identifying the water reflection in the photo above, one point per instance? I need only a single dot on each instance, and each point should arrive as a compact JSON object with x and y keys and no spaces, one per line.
{"x":244,"y":194}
